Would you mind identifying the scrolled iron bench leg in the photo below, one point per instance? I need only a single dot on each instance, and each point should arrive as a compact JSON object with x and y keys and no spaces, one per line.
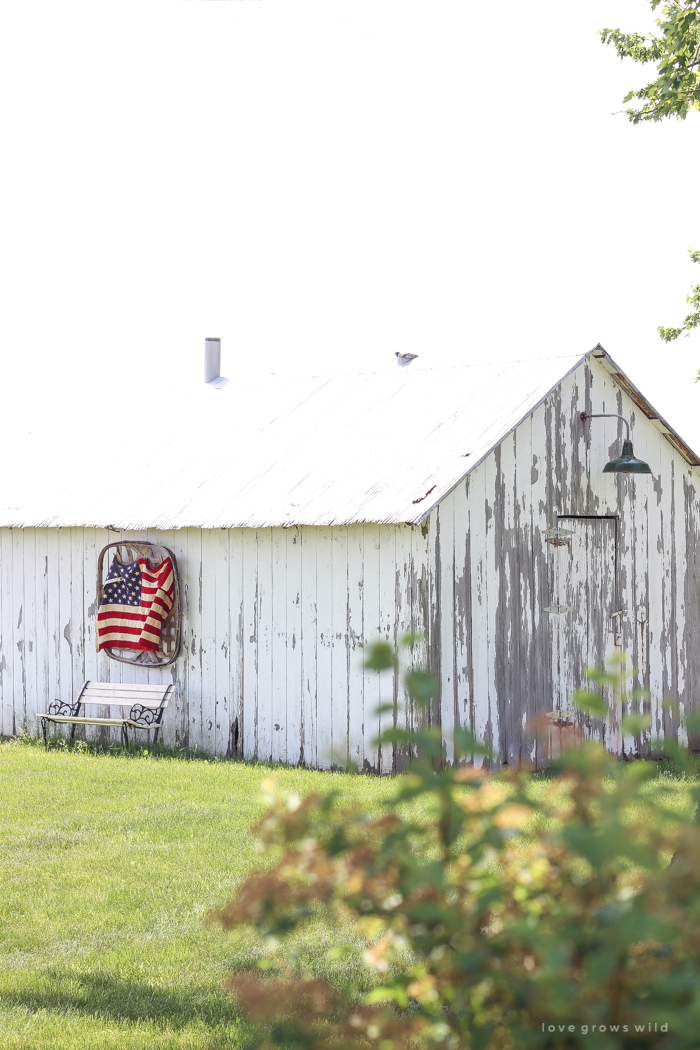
{"x":43,"y":726}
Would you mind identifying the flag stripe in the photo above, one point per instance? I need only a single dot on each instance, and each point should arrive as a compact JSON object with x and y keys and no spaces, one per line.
{"x":136,"y":601}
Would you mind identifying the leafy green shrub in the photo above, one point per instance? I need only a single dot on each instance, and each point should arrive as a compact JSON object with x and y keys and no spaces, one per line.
{"x":498,"y":912}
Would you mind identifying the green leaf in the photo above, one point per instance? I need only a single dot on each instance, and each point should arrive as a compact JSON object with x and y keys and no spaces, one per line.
{"x":467,"y":744}
{"x":381,"y":656}
{"x":635,"y":724}
{"x":412,"y":638}
{"x":422,"y":687}
{"x":591,"y":703}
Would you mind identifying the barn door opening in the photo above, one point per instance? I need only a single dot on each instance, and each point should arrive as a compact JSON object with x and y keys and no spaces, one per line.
{"x":584,"y":614}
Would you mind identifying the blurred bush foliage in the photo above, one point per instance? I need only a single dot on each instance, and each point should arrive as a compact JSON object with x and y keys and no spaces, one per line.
{"x":489,"y":912}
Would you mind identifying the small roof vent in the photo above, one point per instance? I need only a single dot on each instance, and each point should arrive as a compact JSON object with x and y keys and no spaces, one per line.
{"x":212,"y":364}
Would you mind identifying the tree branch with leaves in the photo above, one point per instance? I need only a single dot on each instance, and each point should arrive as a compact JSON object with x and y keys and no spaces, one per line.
{"x":673,"y":93}
{"x":676,"y":51}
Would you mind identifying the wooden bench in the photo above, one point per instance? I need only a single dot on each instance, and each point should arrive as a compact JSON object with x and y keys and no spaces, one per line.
{"x":146,"y":705}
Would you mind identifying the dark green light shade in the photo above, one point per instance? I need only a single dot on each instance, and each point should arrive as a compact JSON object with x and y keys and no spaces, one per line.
{"x":627,"y":463}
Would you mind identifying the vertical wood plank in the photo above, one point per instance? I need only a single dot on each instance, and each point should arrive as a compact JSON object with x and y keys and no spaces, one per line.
{"x":265,"y":632}
{"x":235,"y":546}
{"x":389,"y":630}
{"x":505,"y":591}
{"x":224,"y":606}
{"x":31,"y":621}
{"x":548,"y":447}
{"x":178,"y":720}
{"x":339,"y":644}
{"x":605,"y":548}
{"x":309,"y":641}
{"x":294,"y":679}
{"x":656,"y":627}
{"x":668,"y":630}
{"x":91,"y":550}
{"x":634,"y":530}
{"x":372,"y":630}
{"x":679,"y":568}
{"x":42,"y":622}
{"x":446,"y":577}
{"x":53,"y":614}
{"x":640,"y":617}
{"x":492,"y":552}
{"x":7,"y":633}
{"x":214,"y":579}
{"x":102,"y":669}
{"x":464,"y":686}
{"x":580,"y":573}
{"x":355,"y":634}
{"x":278,"y":646}
{"x":481,"y":714}
{"x":324,"y":647}
{"x":527,"y":583}
{"x":249,"y":540}
{"x":691,"y":651}
{"x":19,"y":630}
{"x":404,"y":715}
{"x":544,"y":688}
{"x":422,"y":620}
{"x":194,"y":641}
{"x":90,"y":554}
{"x":65,"y":639}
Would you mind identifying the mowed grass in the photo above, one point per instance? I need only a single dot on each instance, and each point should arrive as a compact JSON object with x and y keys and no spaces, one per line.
{"x":108,"y":866}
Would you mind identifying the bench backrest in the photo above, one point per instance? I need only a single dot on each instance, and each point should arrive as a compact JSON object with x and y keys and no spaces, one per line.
{"x":122,"y":694}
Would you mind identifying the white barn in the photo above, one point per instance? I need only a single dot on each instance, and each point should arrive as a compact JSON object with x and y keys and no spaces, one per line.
{"x":311,"y":515}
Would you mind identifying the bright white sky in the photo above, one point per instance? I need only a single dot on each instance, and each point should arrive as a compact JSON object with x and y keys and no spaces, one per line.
{"x":321,"y":183}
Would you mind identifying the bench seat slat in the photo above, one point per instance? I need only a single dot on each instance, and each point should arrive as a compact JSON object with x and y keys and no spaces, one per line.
{"x":150,"y":702}
{"x":122,"y":694}
{"x":93,"y":721}
{"x":106,"y":687}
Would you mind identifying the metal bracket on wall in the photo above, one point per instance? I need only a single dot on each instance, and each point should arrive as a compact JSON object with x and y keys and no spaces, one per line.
{"x":617,"y":634}
{"x":557,"y":536}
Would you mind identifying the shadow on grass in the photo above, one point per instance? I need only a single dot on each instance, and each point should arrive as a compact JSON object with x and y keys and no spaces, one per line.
{"x":105,"y":995}
{"x":145,"y":749}
{"x":136,"y":748}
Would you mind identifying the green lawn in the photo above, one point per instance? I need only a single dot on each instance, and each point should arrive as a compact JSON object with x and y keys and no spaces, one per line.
{"x":108,"y":866}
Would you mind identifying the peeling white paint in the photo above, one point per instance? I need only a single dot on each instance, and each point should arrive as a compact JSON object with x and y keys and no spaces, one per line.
{"x":634,"y":545}
{"x":274,"y":618}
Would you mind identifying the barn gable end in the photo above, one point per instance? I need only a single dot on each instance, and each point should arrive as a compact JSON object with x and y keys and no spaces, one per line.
{"x":632,"y":550}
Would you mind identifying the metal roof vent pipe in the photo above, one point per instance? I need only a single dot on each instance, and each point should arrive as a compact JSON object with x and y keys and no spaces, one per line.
{"x":212,"y":364}
{"x":404,"y":359}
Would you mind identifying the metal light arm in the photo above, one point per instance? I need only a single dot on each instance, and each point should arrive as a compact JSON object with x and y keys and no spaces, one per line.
{"x":606,"y":415}
{"x":627,"y":463}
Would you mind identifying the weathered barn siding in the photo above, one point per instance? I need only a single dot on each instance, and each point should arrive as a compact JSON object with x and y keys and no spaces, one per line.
{"x":273,"y":624}
{"x":503,"y":660}
{"x":274,"y":618}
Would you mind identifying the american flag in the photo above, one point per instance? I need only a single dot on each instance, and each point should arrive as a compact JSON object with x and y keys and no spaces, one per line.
{"x":136,"y":601}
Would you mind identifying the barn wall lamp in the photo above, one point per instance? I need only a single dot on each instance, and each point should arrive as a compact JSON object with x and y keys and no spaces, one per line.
{"x":628,"y":462}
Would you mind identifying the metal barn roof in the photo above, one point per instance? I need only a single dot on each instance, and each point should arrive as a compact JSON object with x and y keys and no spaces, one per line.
{"x":282,"y":450}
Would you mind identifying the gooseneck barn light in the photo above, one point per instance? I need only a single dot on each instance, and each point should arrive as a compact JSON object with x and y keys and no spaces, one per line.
{"x":628,"y":462}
